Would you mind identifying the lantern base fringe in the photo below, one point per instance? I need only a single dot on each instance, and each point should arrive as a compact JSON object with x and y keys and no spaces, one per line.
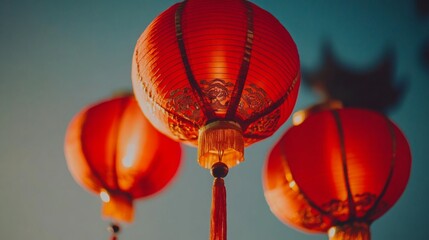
{"x":220,"y":141}
{"x":218,"y":224}
{"x":119,"y":207}
{"x":353,"y":231}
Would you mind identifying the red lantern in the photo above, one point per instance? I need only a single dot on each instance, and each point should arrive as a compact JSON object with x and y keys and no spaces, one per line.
{"x":337,"y":171}
{"x":221,"y":73}
{"x":226,"y":64}
{"x":112,"y":150}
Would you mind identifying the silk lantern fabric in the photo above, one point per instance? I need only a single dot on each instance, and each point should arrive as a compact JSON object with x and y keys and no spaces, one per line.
{"x":113,"y":150}
{"x":338,"y":170}
{"x":203,"y":61}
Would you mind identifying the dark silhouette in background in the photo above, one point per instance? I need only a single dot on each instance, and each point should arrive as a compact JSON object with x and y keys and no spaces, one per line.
{"x":425,"y":56}
{"x":373,"y":88}
{"x":422,"y":7}
{"x":422,"y":10}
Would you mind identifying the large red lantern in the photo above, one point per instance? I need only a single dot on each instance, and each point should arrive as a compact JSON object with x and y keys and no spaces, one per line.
{"x":113,"y":150}
{"x":218,"y":74}
{"x":204,"y":70}
{"x":337,"y":172}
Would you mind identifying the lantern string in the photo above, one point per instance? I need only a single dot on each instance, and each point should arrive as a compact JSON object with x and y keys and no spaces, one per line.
{"x":218,"y":223}
{"x":114,"y":229}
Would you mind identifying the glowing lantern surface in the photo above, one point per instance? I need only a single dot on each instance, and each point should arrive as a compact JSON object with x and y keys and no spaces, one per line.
{"x":337,"y":172}
{"x":218,"y":74}
{"x":215,"y":71}
{"x":113,"y":150}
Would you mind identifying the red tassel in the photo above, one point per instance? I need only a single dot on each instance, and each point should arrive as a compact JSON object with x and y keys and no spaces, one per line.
{"x":218,"y":214}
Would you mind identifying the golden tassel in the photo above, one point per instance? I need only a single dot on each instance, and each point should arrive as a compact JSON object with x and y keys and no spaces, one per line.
{"x":220,"y":141}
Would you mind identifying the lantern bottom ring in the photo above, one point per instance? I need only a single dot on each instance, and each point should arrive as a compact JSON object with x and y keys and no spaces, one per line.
{"x":352,"y":231}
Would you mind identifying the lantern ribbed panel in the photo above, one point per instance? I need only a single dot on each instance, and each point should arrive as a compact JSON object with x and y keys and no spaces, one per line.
{"x":203,"y":61}
{"x":337,"y":167}
{"x":111,"y":147}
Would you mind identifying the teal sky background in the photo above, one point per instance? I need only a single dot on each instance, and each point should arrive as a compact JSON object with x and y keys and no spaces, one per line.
{"x":58,"y":56}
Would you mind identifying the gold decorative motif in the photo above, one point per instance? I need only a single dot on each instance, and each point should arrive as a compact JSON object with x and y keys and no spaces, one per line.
{"x":218,"y":95}
{"x":266,"y":125}
{"x":183,"y":131}
{"x":182,"y":101}
{"x":217,"y":92}
{"x":364,"y":202}
{"x":311,"y":218}
{"x":338,"y":209}
{"x":254,"y":99}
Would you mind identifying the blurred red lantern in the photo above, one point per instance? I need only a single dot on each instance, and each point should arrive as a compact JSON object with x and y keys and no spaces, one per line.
{"x":217,"y":74}
{"x":112,"y":150}
{"x":337,"y":172}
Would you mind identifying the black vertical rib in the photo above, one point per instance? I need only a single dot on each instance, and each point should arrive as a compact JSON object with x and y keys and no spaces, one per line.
{"x":244,"y":68}
{"x":307,"y":199}
{"x":392,"y":167}
{"x":352,"y":207}
{"x":204,"y":105}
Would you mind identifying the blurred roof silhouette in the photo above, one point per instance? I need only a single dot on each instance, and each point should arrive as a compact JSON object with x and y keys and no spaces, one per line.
{"x":422,"y":7}
{"x":425,"y":55}
{"x":372,"y":88}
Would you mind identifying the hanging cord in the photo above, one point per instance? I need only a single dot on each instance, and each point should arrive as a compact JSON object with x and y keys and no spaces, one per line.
{"x":218,"y":224}
{"x":114,"y":229}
